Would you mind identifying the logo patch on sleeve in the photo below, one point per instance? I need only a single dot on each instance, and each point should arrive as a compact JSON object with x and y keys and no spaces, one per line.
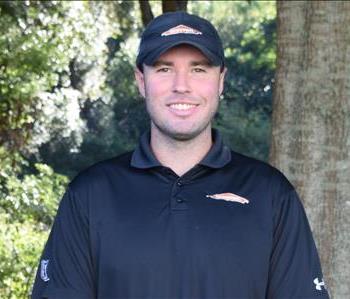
{"x":43,"y":270}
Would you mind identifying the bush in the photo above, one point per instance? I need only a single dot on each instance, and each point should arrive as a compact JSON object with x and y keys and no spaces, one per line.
{"x":28,"y":203}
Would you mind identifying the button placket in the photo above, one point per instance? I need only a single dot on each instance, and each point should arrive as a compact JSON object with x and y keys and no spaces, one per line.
{"x":177,"y":201}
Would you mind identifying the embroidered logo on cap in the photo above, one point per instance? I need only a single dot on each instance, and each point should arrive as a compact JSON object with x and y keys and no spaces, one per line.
{"x":229,"y":197}
{"x":181,"y":29}
{"x":43,"y":270}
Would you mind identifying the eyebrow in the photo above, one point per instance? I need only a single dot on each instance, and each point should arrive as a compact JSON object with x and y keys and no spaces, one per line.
{"x":203,"y":62}
{"x":162,"y":62}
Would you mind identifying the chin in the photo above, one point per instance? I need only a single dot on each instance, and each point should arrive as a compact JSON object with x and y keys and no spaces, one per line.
{"x":182,"y":135}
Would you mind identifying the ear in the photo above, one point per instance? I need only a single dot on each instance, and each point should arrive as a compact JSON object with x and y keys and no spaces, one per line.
{"x":140,"y":81}
{"x":222,"y":80}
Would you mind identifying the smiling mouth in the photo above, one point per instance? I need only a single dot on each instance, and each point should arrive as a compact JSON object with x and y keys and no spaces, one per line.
{"x":182,"y":106}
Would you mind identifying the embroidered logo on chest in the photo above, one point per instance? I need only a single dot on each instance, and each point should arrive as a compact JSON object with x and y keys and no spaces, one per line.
{"x":229,"y":197}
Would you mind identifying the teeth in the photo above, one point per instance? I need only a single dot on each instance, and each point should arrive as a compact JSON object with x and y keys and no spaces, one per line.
{"x":182,"y":106}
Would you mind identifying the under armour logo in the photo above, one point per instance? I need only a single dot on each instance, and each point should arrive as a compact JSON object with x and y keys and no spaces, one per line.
{"x":319,"y":284}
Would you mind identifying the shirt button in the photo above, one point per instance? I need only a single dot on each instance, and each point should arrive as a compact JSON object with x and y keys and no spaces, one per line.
{"x":179,"y":200}
{"x":179,"y":183}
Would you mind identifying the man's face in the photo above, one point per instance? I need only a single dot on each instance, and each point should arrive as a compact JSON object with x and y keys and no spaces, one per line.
{"x":182,"y":92}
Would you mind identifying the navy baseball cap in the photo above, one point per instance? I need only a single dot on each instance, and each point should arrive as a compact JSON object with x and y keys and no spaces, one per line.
{"x":174,"y":28}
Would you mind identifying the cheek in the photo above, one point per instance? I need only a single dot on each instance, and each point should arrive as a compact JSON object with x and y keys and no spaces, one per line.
{"x":208,"y":89}
{"x":156,"y":88}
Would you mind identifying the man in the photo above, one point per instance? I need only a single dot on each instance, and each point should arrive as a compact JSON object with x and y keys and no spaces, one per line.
{"x":182,"y":216}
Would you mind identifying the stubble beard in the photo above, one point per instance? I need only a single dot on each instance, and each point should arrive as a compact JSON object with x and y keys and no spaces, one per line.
{"x":178,"y":136}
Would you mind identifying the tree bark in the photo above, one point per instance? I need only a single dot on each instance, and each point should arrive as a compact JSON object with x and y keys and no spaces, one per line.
{"x":311,"y":124}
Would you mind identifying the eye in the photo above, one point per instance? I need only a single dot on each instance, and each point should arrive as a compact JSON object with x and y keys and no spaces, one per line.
{"x":163,"y":70}
{"x":198,"y":70}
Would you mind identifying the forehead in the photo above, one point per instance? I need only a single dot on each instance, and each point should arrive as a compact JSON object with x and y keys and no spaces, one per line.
{"x":183,"y":52}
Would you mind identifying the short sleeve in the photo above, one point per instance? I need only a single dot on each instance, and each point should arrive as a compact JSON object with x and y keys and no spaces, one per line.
{"x":65,"y":269}
{"x":295,"y":270}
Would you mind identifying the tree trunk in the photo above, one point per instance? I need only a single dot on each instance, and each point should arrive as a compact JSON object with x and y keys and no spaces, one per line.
{"x":173,"y":5}
{"x":146,"y":12}
{"x":167,"y":6}
{"x":311,"y":124}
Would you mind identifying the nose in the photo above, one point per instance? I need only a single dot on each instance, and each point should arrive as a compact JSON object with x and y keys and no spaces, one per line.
{"x":181,"y":84}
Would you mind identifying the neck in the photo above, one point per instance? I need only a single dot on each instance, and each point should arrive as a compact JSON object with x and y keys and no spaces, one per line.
{"x":178,"y":155}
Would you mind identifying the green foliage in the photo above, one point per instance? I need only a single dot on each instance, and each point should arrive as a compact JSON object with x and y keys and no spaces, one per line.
{"x":20,"y":246}
{"x":32,"y":52}
{"x":93,"y":134}
{"x":113,"y":125}
{"x":47,"y":49}
{"x":28,"y":196}
{"x":28,"y":203}
{"x":244,"y":130}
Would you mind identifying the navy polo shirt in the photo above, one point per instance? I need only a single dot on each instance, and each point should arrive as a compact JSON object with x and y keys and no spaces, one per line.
{"x":131,"y":228}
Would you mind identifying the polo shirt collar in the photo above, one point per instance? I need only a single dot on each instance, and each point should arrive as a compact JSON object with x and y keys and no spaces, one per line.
{"x":218,"y":156}
{"x":143,"y":156}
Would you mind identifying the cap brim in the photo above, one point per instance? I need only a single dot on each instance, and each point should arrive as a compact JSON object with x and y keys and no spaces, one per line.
{"x":154,"y":55}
